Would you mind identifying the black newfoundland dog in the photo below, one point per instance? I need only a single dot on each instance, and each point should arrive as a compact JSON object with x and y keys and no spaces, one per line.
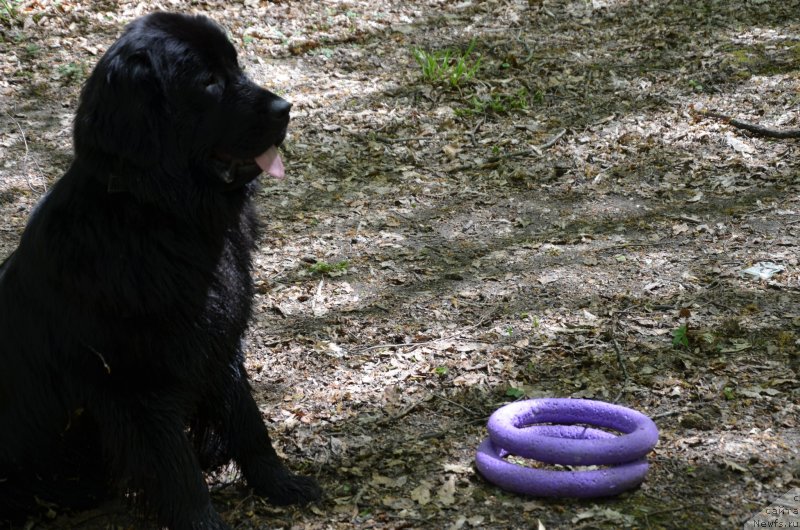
{"x":122,"y":310}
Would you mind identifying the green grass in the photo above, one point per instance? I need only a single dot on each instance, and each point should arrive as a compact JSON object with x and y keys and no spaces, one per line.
{"x":9,"y":12}
{"x":515,"y":393}
{"x":322,"y":267}
{"x":498,"y":103}
{"x":448,"y":67}
{"x":696,"y":85}
{"x":31,"y":51}
{"x":72,"y":73}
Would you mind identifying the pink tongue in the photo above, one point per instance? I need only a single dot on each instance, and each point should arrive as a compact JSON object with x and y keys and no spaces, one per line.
{"x":270,"y":161}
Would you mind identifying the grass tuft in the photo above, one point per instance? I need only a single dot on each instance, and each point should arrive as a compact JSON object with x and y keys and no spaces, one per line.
{"x":9,"y":13}
{"x":448,"y":67}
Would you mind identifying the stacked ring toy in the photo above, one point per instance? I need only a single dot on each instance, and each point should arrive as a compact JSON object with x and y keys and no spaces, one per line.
{"x":519,"y":429}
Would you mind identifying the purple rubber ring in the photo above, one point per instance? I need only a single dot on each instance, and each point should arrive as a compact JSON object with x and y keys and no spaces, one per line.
{"x":548,"y":483}
{"x":513,"y":429}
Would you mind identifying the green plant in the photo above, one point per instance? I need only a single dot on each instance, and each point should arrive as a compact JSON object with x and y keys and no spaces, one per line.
{"x":440,"y":370}
{"x":323,"y":267}
{"x":497,"y":102}
{"x":72,"y":72}
{"x":696,"y":85}
{"x":680,"y":337}
{"x":516,"y":393}
{"x":531,"y":367}
{"x":447,"y":66}
{"x":9,"y":12}
{"x":32,"y":50}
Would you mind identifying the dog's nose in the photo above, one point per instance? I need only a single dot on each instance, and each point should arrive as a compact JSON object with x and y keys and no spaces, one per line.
{"x":280,"y":107}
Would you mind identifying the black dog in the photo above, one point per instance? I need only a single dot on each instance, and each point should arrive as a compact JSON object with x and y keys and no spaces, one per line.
{"x":123,"y":308}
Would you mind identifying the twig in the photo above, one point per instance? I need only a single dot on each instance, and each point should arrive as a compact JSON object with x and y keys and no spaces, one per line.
{"x":360,"y":493}
{"x":388,"y":140}
{"x":27,"y":155}
{"x":754,"y":128}
{"x":552,"y":141}
{"x":475,"y":130}
{"x":535,"y":150}
{"x":621,"y":363}
{"x":241,"y":502}
{"x":620,"y":359}
{"x":670,"y":413}
{"x":686,"y":218}
{"x":483,"y":319}
{"x":432,"y":434}
{"x":459,"y":405}
{"x":406,"y":410}
{"x":682,"y":507}
{"x":527,"y":47}
{"x":317,"y":296}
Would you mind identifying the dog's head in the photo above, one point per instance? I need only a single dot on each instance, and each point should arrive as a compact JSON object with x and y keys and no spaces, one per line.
{"x":168,"y":106}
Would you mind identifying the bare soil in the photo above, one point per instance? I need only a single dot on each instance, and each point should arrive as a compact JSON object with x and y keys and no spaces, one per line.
{"x":544,"y":228}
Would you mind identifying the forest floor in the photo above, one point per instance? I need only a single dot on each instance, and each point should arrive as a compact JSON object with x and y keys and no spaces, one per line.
{"x":558,"y":219}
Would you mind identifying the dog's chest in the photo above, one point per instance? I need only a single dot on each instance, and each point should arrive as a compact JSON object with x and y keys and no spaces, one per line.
{"x":230,"y":294}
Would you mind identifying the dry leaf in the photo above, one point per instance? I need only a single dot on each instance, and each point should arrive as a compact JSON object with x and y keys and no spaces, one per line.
{"x":422,"y":493}
{"x":447,"y":493}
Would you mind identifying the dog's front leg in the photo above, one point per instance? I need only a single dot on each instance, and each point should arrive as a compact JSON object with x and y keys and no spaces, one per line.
{"x":252,"y":449}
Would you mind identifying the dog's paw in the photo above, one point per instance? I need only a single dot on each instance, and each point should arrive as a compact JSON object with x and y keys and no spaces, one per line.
{"x":290,"y":489}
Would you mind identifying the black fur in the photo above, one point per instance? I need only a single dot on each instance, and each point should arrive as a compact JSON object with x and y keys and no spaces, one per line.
{"x":123,"y":308}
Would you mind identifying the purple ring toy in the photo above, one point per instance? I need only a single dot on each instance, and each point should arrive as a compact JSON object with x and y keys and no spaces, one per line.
{"x":549,"y":483}
{"x":511,"y":429}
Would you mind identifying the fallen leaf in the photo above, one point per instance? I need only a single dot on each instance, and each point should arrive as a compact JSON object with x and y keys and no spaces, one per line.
{"x":422,"y":493}
{"x":738,"y":145}
{"x":680,"y":229}
{"x":447,"y":493}
{"x":476,"y":520}
{"x":696,"y":197}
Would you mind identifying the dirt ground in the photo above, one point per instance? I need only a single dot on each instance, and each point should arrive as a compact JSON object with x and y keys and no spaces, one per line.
{"x":560,"y":221}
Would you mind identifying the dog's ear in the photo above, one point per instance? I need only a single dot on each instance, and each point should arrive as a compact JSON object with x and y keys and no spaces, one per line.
{"x":119,"y":116}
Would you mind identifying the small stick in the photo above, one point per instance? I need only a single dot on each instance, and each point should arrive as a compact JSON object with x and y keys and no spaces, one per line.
{"x":467,"y":410}
{"x":620,"y":359}
{"x":670,"y":413}
{"x":27,"y":154}
{"x":415,"y":345}
{"x":535,"y":150}
{"x":754,"y":128}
